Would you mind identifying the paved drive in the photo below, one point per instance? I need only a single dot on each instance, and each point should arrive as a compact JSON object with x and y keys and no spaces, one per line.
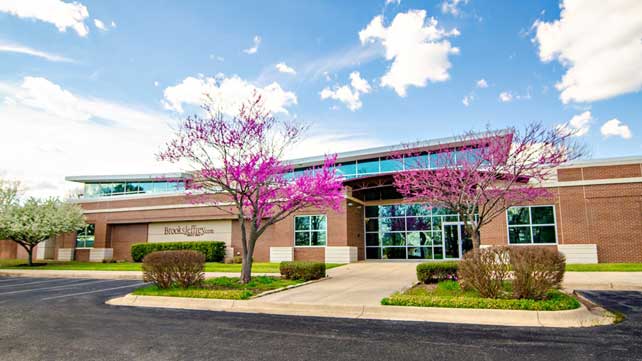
{"x":66,"y":319}
{"x":364,"y":283}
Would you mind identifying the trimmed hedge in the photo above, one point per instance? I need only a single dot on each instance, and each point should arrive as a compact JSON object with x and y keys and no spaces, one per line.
{"x":431,"y":272}
{"x":555,"y":301}
{"x":304,"y":271}
{"x":214,"y":251}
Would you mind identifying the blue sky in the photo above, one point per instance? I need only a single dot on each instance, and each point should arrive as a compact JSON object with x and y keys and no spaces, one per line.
{"x":85,"y":97}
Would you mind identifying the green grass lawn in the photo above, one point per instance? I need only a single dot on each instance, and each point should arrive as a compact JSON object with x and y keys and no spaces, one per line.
{"x":221,"y":287}
{"x":605,"y":267}
{"x":449,"y":294}
{"x":257,"y":267}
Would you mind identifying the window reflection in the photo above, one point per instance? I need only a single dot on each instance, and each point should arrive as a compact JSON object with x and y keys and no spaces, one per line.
{"x":93,"y":190}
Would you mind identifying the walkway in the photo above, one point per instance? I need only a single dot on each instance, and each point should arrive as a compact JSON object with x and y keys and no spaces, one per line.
{"x":364,"y":283}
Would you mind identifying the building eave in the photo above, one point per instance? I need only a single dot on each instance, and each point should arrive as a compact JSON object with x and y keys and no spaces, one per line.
{"x":128,"y":177}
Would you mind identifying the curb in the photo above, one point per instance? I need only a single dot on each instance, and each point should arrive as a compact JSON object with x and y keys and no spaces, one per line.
{"x":116,"y":275}
{"x":580,"y":317}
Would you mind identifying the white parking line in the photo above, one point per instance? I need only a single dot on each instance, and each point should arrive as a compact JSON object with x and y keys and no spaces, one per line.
{"x":32,"y":283}
{"x":94,"y":291}
{"x":68,"y":285}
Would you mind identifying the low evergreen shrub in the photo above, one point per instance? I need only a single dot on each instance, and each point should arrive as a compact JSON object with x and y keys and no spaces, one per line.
{"x":433,"y":272}
{"x":304,"y":271}
{"x":213,"y":251}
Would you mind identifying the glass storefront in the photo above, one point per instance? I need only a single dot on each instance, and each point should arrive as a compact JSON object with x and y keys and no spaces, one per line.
{"x":413,"y":231}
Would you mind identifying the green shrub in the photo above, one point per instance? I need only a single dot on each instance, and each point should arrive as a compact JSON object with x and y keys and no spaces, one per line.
{"x":555,"y":301}
{"x":213,"y":251}
{"x":304,"y":271}
{"x":168,"y":268}
{"x":432,"y":272}
{"x":485,"y":270}
{"x":536,"y":270}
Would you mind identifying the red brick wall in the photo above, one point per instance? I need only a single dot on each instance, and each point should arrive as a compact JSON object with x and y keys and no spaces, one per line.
{"x":123,"y":236}
{"x":309,"y":254}
{"x":8,"y":249}
{"x":339,"y":233}
{"x":81,"y":255}
{"x":608,"y":215}
{"x":355,"y":228}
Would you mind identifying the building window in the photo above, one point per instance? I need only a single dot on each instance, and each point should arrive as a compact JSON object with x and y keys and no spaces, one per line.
{"x":95,"y":190}
{"x":85,"y":237}
{"x":531,"y":225}
{"x":310,"y":231}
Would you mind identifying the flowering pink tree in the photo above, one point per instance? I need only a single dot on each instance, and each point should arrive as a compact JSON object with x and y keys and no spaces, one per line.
{"x":483,"y":175}
{"x":241,"y":157}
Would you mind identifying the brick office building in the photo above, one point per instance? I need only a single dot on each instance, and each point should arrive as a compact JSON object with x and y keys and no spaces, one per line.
{"x":594,"y":215}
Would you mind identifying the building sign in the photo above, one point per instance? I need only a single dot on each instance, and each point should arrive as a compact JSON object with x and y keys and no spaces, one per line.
{"x":190,"y":231}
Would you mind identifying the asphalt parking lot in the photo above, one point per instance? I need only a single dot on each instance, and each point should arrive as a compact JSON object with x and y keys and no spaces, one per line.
{"x":67,"y":319}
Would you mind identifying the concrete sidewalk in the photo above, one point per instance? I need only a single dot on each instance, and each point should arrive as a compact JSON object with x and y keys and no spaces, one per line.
{"x":363,"y":283}
{"x":116,"y":275}
{"x":623,"y":281}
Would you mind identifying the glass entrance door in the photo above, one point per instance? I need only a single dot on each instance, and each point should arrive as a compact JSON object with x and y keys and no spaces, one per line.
{"x":452,"y":240}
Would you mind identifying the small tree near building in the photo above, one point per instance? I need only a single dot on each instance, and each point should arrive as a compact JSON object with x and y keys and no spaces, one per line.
{"x":487,"y":173}
{"x":240,"y":157}
{"x":35,"y":221}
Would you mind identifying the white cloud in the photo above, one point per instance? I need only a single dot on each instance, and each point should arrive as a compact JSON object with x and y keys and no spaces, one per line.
{"x":396,"y":2}
{"x":100,"y":25}
{"x":156,"y":83}
{"x":253,"y":49}
{"x":452,"y":6}
{"x":348,"y":94}
{"x":113,"y":24}
{"x":481,"y":83}
{"x":578,"y":126}
{"x":21,"y":49}
{"x":59,"y":13}
{"x":599,"y":42}
{"x":505,"y":97}
{"x":359,"y":84}
{"x":60,"y":133}
{"x":284,"y":68}
{"x":227,"y":93}
{"x":468,"y":99}
{"x":418,"y":48}
{"x":616,"y":128}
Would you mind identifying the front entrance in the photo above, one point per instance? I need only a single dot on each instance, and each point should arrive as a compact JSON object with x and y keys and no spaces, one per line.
{"x":414,"y":232}
{"x":456,"y":241}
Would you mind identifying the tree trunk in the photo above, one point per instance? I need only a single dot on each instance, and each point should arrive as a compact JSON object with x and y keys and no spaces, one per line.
{"x":30,"y":254}
{"x":476,"y":236}
{"x":246,"y":269}
{"x":248,"y":253}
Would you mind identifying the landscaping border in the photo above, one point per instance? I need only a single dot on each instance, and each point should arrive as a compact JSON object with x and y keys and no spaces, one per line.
{"x":580,"y":317}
